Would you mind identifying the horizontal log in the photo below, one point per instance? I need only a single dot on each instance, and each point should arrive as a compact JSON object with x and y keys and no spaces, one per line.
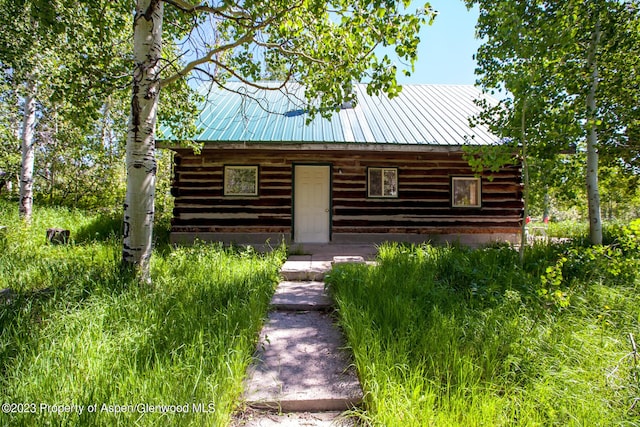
{"x":411,"y":225}
{"x":232,"y":207}
{"x":426,"y":211}
{"x":430,"y":230}
{"x":245,"y":229}
{"x":349,"y":185}
{"x":205,"y":200}
{"x":283,"y":178}
{"x":235,"y":215}
{"x":183,"y":176}
{"x":212,"y":202}
{"x":201,"y":184}
{"x":208,"y":193}
{"x":235,"y":222}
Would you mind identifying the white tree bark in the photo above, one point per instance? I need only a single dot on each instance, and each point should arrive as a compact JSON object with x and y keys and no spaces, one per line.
{"x":593,"y":194}
{"x":14,"y":123}
{"x":525,"y":178}
{"x":28,"y":152}
{"x":140,"y":148}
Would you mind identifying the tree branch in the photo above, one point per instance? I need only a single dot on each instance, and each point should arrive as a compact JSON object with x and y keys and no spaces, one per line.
{"x":245,"y":81}
{"x":289,"y":52}
{"x":224,"y":11}
{"x":260,"y":101}
{"x":207,"y":58}
{"x":248,"y":37}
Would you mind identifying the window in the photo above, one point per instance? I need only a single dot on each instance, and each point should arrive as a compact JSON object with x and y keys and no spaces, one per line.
{"x":465,"y":192}
{"x":241,"y":180}
{"x":383,"y":182}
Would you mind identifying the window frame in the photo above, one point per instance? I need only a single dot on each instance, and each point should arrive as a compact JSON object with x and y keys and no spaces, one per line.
{"x":225,"y":178}
{"x":456,"y":179}
{"x":395,"y":169}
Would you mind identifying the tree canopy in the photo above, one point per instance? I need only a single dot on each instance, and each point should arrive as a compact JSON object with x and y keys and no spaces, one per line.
{"x":325,"y":46}
{"x":62,"y":64}
{"x":568,"y":72}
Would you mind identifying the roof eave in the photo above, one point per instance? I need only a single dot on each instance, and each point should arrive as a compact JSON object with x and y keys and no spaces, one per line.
{"x":289,"y":146}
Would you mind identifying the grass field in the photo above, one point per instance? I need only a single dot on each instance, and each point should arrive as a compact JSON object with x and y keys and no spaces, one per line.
{"x":447,"y":336}
{"x":442,"y":336}
{"x":78,"y":336}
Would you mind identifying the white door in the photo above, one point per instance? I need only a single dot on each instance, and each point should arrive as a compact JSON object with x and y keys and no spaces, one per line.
{"x":311,"y":204}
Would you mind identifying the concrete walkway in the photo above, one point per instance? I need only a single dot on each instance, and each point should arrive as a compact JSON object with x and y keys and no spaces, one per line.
{"x":302,"y":374}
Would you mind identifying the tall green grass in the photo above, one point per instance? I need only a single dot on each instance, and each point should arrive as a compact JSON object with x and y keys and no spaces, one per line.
{"x":77,"y":332}
{"x":448,"y":336}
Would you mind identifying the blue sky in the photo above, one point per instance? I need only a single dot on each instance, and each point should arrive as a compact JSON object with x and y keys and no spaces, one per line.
{"x":445,"y":54}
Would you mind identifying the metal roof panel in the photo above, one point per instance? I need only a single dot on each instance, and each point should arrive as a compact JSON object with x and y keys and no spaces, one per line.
{"x":420,"y":115}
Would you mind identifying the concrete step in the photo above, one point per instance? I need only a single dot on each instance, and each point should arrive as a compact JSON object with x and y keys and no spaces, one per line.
{"x":301,"y":366}
{"x":301,"y":296}
{"x":301,"y":268}
{"x":348,"y":259}
{"x":256,"y":418}
{"x":306,"y":268}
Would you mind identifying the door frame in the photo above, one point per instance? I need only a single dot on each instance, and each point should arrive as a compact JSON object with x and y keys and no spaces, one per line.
{"x":293,"y":196}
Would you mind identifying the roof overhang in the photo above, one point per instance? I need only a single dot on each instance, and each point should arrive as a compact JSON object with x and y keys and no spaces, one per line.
{"x":376,"y":148}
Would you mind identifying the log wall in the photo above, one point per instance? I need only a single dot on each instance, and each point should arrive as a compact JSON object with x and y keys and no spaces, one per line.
{"x":422,"y":205}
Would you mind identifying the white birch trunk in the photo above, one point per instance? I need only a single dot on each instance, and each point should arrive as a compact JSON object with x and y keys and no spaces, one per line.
{"x":14,"y":123}
{"x":525,"y":177}
{"x":593,"y":194}
{"x":140,"y":148}
{"x":28,"y":153}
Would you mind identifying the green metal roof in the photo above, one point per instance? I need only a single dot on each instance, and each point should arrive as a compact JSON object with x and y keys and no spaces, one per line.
{"x":420,"y":115}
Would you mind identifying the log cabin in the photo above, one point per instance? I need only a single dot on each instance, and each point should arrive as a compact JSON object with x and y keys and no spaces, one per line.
{"x":380,"y":170}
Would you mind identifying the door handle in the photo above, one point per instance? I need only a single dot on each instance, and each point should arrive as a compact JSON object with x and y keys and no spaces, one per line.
{"x":326,"y":210}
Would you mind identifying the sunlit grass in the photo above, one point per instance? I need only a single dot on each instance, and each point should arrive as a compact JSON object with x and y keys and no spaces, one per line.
{"x":456,"y":337}
{"x":76,"y":332}
{"x":442,"y":336}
